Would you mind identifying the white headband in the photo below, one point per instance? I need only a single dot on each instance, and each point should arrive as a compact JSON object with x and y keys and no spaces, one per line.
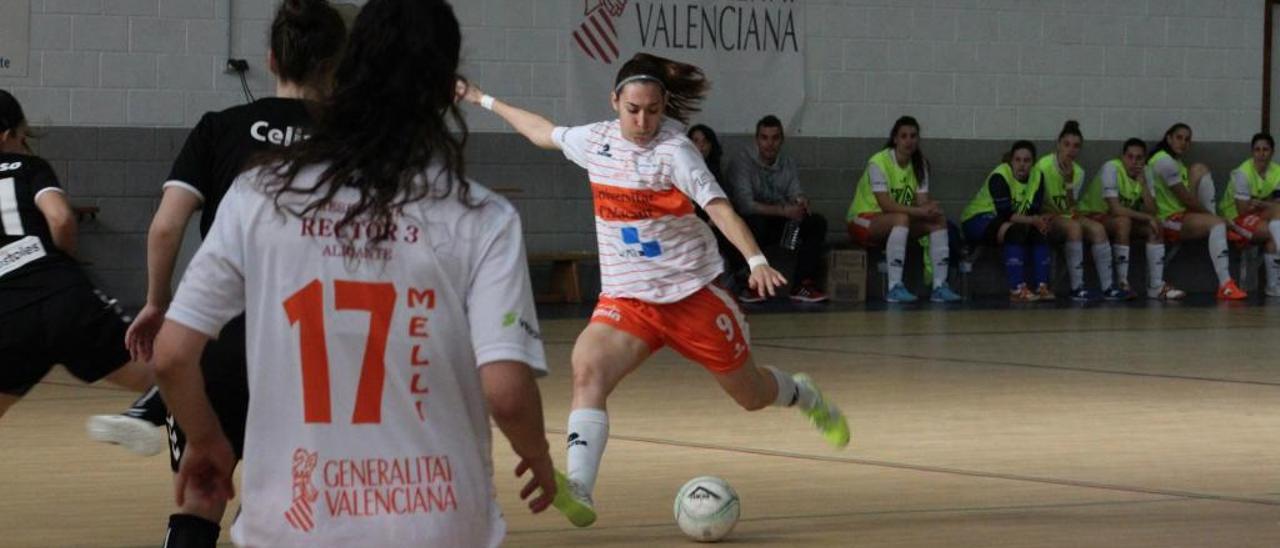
{"x":639,"y":78}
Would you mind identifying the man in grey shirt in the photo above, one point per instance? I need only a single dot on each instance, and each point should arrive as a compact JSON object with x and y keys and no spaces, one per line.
{"x":767,"y":194}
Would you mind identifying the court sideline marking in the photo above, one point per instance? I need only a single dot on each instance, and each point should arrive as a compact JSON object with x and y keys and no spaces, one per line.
{"x":967,"y":361}
{"x":1083,"y":484}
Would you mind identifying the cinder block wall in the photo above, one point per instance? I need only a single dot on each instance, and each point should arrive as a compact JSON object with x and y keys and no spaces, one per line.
{"x":115,"y":85}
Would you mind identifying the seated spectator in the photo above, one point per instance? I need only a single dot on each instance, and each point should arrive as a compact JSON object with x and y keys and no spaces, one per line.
{"x":766,"y":192}
{"x":705,"y":139}
{"x":708,"y":144}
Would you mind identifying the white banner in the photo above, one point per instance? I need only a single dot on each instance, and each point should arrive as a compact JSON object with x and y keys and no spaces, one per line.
{"x":15,"y":37}
{"x":752,"y":51}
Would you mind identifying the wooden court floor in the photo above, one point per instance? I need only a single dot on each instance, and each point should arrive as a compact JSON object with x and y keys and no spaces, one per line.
{"x":1133,"y":426}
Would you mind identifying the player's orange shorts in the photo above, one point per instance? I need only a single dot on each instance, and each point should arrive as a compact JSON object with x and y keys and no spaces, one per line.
{"x":706,"y":327}
{"x":1172,"y":226}
{"x":1242,"y":229}
{"x":1101,"y":218}
{"x":860,"y":229}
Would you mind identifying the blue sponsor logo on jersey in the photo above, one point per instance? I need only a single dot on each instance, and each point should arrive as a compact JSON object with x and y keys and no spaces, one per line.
{"x":631,"y":237}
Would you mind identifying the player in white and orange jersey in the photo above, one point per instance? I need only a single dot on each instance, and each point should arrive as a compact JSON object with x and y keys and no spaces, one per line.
{"x":388,"y":315}
{"x":657,"y":262}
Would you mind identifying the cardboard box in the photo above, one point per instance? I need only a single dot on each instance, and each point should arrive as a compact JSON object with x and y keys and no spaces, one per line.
{"x":847,"y":275}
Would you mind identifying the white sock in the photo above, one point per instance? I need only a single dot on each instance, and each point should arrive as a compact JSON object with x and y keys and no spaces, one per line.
{"x":1273,"y":269}
{"x":790,"y":393}
{"x":1218,"y":252}
{"x":1274,"y":228}
{"x":1206,"y":190}
{"x":1155,"y":266}
{"x":895,"y":253}
{"x":1121,"y":253}
{"x":940,"y":256}
{"x":588,"y":434}
{"x":1102,"y":262}
{"x":1075,"y":264}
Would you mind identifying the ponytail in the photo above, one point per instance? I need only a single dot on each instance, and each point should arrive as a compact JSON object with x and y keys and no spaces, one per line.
{"x":684,"y":85}
{"x":1072,"y":127}
{"x":307,"y":36}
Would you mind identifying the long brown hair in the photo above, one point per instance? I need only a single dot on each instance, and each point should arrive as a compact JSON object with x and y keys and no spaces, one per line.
{"x":389,"y":117}
{"x":919,"y":165}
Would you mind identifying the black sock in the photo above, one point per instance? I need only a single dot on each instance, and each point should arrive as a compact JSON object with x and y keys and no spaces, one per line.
{"x":188,"y":531}
{"x":149,"y":407}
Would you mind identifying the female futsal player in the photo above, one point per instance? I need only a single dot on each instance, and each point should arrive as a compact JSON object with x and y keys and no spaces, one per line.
{"x":1061,"y":178}
{"x":891,"y":204}
{"x":657,"y":262}
{"x":389,"y":314}
{"x":1121,"y":200}
{"x":307,"y":37}
{"x":49,"y":312}
{"x":1184,"y":203}
{"x":1007,"y":211}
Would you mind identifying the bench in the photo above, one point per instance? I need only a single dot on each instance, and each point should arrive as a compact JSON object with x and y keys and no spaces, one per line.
{"x":565,"y":285}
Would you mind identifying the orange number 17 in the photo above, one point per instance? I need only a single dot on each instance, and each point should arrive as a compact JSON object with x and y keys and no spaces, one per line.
{"x":306,"y":310}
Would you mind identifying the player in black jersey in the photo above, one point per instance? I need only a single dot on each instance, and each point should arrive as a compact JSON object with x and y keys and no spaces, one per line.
{"x":307,"y":37}
{"x":49,"y":311}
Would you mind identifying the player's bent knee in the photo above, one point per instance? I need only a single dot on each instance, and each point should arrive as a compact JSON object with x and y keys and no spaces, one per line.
{"x":588,"y":374}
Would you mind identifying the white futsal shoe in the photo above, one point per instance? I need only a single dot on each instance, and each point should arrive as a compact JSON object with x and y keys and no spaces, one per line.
{"x":136,"y":435}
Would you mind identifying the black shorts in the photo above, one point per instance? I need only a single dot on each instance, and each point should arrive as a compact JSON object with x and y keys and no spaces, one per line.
{"x":78,"y":327}
{"x":226,"y":383}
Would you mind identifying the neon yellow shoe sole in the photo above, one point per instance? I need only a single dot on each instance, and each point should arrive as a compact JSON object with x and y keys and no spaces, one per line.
{"x":826,"y":417}
{"x":574,"y":506}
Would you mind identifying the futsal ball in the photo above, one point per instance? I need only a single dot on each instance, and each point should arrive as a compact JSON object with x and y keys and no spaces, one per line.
{"x":706,"y":508}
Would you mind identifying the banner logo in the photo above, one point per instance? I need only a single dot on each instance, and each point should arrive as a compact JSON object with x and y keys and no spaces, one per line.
{"x":597,"y":35}
{"x":300,"y":516}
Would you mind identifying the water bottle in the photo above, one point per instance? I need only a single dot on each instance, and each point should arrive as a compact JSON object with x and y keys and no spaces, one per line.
{"x":791,"y":235}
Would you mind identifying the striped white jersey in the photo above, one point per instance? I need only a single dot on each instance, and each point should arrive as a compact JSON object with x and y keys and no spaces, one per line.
{"x":653,"y":247}
{"x":368,"y":424}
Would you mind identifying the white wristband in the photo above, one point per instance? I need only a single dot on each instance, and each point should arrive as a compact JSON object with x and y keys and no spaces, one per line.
{"x":487,"y":102}
{"x":757,"y":260}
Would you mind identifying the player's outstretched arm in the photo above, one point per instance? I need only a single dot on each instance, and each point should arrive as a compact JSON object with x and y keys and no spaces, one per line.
{"x":516,"y":406}
{"x":534,"y":127}
{"x":164,"y":239}
{"x":764,"y":278}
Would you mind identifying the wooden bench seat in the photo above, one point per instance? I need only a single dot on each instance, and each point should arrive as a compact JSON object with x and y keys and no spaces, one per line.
{"x":565,"y":285}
